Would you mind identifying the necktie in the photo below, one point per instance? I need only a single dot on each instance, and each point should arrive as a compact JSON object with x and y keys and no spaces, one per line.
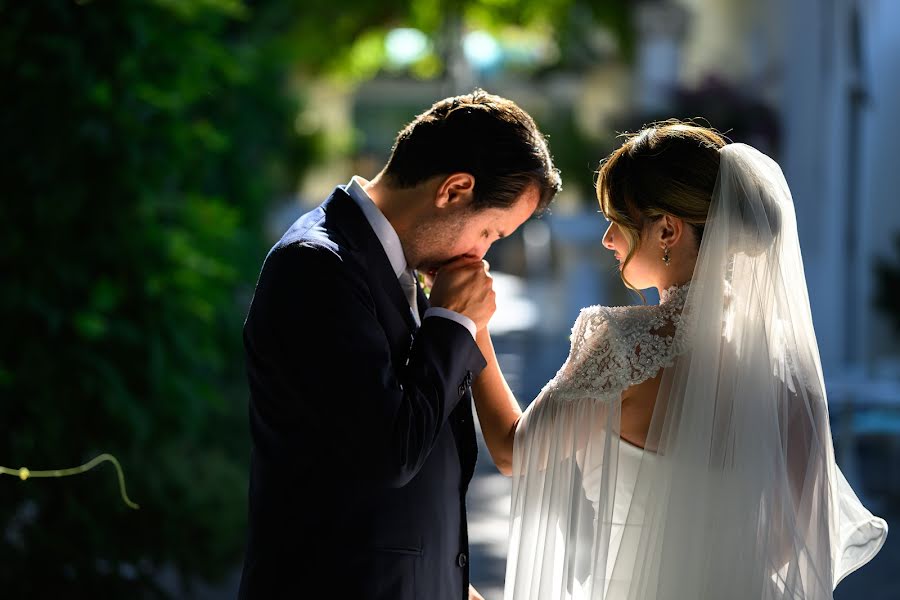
{"x":408,"y":283}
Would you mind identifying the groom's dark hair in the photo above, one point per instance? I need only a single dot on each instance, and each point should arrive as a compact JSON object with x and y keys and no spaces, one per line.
{"x":487,"y":136}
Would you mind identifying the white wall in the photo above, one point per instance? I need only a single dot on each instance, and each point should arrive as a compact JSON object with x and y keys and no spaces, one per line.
{"x":815,"y":125}
{"x":843,"y":165}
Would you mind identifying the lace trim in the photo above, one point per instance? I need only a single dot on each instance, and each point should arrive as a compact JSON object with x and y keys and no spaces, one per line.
{"x":614,"y":348}
{"x":675,"y":293}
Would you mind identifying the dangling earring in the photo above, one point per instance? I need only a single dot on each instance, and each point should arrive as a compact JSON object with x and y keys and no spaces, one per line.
{"x":666,"y":255}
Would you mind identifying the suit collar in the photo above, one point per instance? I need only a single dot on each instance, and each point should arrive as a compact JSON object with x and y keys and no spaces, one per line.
{"x":383,"y":229}
{"x":345,"y":218}
{"x":349,"y":222}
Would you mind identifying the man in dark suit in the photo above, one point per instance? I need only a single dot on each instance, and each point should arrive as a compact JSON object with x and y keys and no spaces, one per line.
{"x":360,"y":386}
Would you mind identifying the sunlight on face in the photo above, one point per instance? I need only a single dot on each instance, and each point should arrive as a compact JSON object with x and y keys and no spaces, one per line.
{"x":643,"y":269}
{"x":471,"y":234}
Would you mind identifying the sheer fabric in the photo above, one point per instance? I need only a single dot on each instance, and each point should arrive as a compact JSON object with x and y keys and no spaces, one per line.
{"x":736,"y":494}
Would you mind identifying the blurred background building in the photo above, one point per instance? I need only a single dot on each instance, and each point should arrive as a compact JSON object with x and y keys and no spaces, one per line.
{"x":181,"y":139}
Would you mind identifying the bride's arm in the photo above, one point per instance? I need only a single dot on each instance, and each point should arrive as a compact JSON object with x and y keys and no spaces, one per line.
{"x":498,"y":410}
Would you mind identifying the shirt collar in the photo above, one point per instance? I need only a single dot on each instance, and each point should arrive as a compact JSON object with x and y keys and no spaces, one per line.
{"x":379,"y":223}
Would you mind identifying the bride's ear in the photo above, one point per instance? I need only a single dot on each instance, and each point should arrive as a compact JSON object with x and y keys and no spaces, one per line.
{"x":671,"y":230}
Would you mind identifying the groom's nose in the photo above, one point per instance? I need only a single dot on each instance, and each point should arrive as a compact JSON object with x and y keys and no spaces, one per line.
{"x":479,"y":251}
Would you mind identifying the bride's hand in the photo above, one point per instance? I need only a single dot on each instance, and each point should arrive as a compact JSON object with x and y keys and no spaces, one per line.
{"x":483,"y":340}
{"x":473,"y":594}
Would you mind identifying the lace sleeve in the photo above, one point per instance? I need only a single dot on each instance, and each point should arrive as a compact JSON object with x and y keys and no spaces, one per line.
{"x":614,"y":348}
{"x":595,"y":362}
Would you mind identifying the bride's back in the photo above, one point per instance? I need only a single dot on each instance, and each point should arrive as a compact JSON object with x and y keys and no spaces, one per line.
{"x":736,"y":493}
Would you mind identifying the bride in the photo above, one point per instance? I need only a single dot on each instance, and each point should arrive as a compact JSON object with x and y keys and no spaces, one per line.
{"x":683,"y":450}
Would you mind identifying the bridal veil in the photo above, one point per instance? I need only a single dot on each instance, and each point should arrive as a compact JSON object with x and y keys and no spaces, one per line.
{"x":736,"y":493}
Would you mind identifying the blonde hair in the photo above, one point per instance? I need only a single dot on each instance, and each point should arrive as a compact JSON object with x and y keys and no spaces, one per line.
{"x":667,"y":168}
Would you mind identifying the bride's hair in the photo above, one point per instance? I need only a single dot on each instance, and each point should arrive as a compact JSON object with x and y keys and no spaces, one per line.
{"x":667,"y":168}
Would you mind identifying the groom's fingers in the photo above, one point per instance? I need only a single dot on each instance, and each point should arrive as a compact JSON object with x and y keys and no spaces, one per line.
{"x":463,"y":268}
{"x":458,"y":263}
{"x":465,"y":286}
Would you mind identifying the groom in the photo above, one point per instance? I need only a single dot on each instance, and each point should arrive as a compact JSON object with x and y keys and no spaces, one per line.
{"x":360,"y":386}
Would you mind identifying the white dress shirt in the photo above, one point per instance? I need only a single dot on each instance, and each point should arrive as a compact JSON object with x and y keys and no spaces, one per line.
{"x":391,"y":243}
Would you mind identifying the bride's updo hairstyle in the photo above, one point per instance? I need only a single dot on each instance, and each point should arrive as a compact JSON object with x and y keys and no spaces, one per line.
{"x":668,"y":168}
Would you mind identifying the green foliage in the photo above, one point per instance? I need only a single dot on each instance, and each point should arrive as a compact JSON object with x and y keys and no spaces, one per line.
{"x":346,"y":39}
{"x":142,"y":142}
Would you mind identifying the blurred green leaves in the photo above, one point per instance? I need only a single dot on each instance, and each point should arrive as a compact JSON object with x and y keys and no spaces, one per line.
{"x":346,"y":39}
{"x":142,"y":144}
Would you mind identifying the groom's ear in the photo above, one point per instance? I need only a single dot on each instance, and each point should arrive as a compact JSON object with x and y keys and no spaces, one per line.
{"x":455,"y":191}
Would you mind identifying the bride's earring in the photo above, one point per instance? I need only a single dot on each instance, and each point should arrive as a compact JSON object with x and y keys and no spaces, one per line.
{"x":666,"y":255}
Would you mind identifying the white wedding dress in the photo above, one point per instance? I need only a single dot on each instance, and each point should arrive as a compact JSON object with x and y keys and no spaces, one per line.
{"x":738,"y":496}
{"x":612,"y":348}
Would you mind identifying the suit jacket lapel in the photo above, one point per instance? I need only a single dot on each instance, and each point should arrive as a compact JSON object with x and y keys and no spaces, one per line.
{"x":352,"y":224}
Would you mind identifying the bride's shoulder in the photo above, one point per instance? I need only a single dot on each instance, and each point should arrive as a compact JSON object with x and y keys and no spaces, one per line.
{"x":617,"y":346}
{"x":660,"y":319}
{"x":615,"y":317}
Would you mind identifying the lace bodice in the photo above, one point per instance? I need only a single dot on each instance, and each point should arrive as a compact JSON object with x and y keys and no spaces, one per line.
{"x":614,"y":348}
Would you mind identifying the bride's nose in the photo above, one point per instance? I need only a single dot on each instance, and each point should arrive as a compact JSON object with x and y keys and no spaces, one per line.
{"x":608,"y":238}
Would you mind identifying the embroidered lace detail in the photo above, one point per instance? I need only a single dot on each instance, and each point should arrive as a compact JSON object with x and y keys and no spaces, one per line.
{"x":614,"y":348}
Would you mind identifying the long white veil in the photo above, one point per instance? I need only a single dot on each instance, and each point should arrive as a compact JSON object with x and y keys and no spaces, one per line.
{"x":737,"y":494}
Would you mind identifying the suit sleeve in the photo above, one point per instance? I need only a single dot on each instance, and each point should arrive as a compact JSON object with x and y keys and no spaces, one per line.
{"x":322,"y":379}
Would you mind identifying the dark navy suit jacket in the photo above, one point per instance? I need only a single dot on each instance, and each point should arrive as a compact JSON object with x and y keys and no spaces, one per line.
{"x":363,"y":442}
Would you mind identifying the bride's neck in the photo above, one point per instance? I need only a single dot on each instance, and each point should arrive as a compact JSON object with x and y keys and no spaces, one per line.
{"x":680,"y":269}
{"x":678,"y":272}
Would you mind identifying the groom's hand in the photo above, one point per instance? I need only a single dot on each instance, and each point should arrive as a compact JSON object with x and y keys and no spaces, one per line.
{"x":465,"y":286}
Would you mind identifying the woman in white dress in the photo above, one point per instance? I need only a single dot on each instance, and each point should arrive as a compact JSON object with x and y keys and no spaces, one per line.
{"x":683,"y":450}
